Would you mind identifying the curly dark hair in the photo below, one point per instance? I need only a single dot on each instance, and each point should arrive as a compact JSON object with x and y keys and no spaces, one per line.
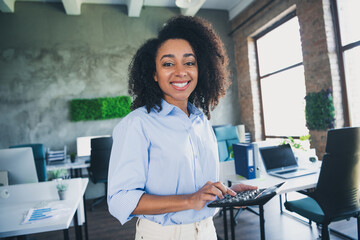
{"x":212,"y":60}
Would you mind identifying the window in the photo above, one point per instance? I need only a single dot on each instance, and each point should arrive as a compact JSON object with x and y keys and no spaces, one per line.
{"x":281,"y":79}
{"x":346,"y":23}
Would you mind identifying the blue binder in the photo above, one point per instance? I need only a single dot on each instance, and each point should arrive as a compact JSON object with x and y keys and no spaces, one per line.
{"x":244,"y":160}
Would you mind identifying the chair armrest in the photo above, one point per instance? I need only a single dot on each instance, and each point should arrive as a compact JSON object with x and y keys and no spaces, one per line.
{"x":307,"y":192}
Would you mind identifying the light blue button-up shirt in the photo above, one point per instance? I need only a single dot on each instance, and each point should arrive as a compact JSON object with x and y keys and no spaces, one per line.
{"x":161,"y":153}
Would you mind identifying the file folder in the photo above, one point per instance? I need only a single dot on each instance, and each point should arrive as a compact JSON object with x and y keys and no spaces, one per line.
{"x":244,"y":160}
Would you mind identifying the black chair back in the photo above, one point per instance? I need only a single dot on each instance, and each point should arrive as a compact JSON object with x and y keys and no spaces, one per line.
{"x":99,"y":158}
{"x":337,"y":191}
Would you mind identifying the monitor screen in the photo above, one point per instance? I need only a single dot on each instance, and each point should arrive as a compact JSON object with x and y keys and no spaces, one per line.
{"x":257,"y":156}
{"x":20,"y":165}
{"x":83,"y":145}
{"x":276,"y":157}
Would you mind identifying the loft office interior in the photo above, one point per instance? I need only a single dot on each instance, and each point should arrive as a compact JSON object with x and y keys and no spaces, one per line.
{"x":50,"y":57}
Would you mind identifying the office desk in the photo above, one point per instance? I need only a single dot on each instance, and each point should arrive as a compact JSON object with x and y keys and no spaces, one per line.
{"x":75,"y":167}
{"x":75,"y":172}
{"x":265,"y":180}
{"x":293,"y":184}
{"x":22,"y":197}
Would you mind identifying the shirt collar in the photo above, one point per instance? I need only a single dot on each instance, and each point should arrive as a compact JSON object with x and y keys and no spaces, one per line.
{"x":195,"y":111}
{"x":167,"y":108}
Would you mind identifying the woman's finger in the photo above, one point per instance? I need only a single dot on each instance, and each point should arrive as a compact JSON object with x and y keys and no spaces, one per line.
{"x":208,"y":197}
{"x":242,"y":187}
{"x":213,"y":190}
{"x":224,"y":189}
{"x":231,"y":192}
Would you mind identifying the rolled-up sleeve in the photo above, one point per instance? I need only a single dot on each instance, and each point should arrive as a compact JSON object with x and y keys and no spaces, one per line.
{"x":127,"y":168}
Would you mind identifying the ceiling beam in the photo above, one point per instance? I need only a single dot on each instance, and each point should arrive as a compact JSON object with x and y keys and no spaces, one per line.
{"x":72,"y":7}
{"x":7,"y":6}
{"x":238,"y":8}
{"x":191,"y":11}
{"x":134,"y":7}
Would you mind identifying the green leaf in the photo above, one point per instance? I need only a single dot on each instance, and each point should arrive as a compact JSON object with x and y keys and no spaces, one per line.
{"x":320,"y":110}
{"x":99,"y":108}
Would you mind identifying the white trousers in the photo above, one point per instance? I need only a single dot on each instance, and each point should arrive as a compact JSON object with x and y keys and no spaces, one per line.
{"x":202,"y":230}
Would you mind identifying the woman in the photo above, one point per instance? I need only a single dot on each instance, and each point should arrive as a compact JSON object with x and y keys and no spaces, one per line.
{"x":164,"y":161}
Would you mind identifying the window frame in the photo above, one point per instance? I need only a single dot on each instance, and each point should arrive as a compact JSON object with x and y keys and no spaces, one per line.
{"x":283,"y":20}
{"x":340,"y":50}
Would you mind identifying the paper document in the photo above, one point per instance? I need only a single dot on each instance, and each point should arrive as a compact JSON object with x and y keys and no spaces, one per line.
{"x":40,"y":214}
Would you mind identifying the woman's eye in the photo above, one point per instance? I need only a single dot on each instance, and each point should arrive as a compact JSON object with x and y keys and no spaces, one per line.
{"x":190,"y":63}
{"x":167,"y":64}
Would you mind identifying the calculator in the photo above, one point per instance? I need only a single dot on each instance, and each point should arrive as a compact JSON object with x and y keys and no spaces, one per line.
{"x":248,"y":198}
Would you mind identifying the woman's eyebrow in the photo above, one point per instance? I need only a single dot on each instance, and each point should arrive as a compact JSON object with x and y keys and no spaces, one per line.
{"x":189,"y":55}
{"x":167,"y":55}
{"x":172,"y":55}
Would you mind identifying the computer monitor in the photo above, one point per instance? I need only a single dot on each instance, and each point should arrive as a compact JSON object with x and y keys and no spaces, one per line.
{"x":257,"y":156}
{"x":20,"y":165}
{"x":83,"y":145}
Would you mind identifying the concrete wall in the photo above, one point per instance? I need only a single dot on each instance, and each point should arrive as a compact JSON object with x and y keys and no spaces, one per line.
{"x":48,"y":58}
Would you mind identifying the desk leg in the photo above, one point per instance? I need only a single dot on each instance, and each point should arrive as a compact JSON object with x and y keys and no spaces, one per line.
{"x":75,"y":173}
{"x":232,"y":223}
{"x":262,"y":222}
{"x":225,"y":224}
{"x":78,"y":173}
{"x":358,"y":221}
{"x":78,"y":230}
{"x":66,"y":234}
{"x":85,"y":223}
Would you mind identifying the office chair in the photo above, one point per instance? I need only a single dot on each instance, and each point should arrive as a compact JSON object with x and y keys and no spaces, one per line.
{"x":99,"y":163}
{"x":336,"y":196}
{"x":226,"y":136}
{"x":39,"y":157}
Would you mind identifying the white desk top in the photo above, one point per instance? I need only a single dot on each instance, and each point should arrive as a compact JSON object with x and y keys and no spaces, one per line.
{"x":22,"y":197}
{"x":293,"y":184}
{"x":67,"y":164}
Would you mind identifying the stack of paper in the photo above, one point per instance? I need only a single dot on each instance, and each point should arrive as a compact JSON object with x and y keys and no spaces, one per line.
{"x":247,"y":138}
{"x":56,"y":155}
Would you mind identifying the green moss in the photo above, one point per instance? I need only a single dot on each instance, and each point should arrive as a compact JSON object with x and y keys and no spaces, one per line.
{"x":320,"y":110}
{"x":99,"y":108}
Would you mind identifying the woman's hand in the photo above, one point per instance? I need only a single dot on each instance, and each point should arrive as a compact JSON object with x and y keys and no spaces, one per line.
{"x":207,"y":193}
{"x":242,"y":187}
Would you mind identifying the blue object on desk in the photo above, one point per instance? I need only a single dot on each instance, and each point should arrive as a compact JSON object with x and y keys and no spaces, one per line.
{"x":244,"y":160}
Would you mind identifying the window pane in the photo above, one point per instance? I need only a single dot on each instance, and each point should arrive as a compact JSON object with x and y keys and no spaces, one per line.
{"x":349,"y":19}
{"x":284,"y":104}
{"x":352,"y":71}
{"x":280,"y":48}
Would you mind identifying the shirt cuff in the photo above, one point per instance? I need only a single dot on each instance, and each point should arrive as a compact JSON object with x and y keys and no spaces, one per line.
{"x":122,"y":204}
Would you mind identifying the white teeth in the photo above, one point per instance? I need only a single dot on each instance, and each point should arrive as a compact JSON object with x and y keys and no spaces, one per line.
{"x":180,"y":84}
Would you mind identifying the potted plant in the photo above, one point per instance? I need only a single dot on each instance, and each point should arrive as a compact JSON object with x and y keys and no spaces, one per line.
{"x":297,"y":145}
{"x":72,"y":157}
{"x":62,"y":189}
{"x":59,"y":173}
{"x":301,"y":152}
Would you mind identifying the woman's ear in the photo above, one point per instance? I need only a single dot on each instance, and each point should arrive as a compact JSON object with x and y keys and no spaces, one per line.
{"x":155,"y":77}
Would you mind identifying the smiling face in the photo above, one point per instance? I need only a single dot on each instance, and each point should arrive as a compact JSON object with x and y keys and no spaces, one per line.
{"x":176,"y":71}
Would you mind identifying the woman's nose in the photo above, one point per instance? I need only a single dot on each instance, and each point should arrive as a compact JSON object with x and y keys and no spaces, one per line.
{"x":180,"y":70}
